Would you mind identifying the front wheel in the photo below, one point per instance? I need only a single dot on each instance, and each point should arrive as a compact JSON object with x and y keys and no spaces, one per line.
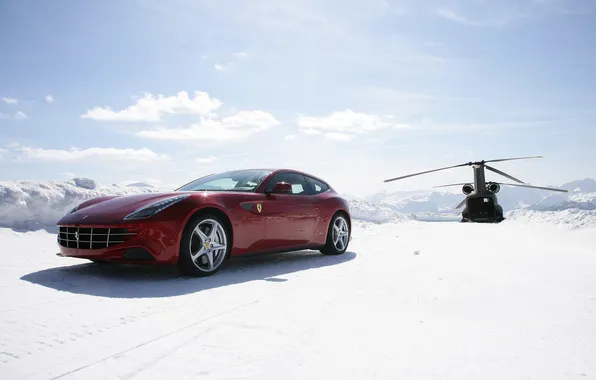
{"x":204,"y":246}
{"x":338,"y":236}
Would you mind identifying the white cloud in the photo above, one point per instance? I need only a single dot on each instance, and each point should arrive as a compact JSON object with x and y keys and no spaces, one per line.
{"x":228,"y":65}
{"x":20,"y":115}
{"x":211,"y":159}
{"x":210,"y":127}
{"x":222,"y":67}
{"x":452,"y":15}
{"x":49,"y":99}
{"x":2,"y":152}
{"x":10,"y":100}
{"x":341,"y":125}
{"x":338,"y":136}
{"x":501,"y":14}
{"x":235,"y":127}
{"x":75,"y":154}
{"x":290,"y":137}
{"x":310,"y":131}
{"x":153,"y":108}
{"x":206,"y":160}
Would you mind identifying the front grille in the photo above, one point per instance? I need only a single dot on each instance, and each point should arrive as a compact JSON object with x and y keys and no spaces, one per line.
{"x":93,"y":238}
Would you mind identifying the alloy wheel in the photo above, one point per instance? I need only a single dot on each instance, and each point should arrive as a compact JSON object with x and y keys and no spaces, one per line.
{"x":208,"y":245}
{"x":341,"y":233}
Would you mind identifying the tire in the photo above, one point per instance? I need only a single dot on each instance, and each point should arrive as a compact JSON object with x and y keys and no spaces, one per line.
{"x":197,"y":256}
{"x":333,"y":246}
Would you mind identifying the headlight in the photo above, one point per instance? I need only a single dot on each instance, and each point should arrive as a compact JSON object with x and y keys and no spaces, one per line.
{"x":153,"y":208}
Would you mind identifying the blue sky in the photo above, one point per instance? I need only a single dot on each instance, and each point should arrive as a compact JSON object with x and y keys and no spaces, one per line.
{"x":355,"y":91}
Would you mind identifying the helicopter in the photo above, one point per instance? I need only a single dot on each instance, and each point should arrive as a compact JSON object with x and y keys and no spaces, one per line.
{"x":481,"y":200}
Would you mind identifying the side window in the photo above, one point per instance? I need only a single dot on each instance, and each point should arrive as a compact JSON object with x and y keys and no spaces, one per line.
{"x":297,"y":181}
{"x":316,"y":186}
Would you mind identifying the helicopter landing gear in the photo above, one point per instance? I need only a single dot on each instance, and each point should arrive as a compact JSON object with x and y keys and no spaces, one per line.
{"x":464,"y":216}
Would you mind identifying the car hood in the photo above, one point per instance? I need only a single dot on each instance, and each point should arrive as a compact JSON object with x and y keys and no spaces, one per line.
{"x":112,"y":209}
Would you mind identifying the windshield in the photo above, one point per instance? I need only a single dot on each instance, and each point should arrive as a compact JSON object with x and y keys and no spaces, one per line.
{"x":238,"y":180}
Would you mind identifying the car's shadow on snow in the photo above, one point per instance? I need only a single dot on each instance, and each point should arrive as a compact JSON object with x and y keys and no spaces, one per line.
{"x":148,"y":281}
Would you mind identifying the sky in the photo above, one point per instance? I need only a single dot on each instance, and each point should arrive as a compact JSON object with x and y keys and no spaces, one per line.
{"x":353,"y":91}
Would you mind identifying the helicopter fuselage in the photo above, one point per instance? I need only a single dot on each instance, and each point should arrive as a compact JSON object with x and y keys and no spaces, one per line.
{"x":481,"y":204}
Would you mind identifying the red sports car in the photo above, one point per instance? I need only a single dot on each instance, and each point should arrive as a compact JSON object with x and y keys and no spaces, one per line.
{"x":208,"y":220}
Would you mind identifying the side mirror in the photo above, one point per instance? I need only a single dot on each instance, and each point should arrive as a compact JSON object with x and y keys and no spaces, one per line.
{"x":281,"y":188}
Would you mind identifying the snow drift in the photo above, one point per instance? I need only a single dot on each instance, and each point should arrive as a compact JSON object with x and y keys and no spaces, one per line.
{"x":373,"y":212}
{"x":31,"y":205}
{"x":571,"y":218}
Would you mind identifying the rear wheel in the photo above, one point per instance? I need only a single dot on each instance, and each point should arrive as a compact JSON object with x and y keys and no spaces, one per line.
{"x":204,"y":246}
{"x":338,"y":235}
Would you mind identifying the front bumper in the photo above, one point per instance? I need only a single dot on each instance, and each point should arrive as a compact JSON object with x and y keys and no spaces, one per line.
{"x":144,"y":242}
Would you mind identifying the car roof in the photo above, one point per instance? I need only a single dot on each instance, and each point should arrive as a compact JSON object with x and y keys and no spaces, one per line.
{"x":280,"y":170}
{"x":275,"y":171}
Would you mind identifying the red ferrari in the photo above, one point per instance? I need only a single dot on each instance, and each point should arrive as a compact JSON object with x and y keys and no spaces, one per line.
{"x":206,"y":221}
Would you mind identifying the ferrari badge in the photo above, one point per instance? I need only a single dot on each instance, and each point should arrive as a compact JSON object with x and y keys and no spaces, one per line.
{"x":259,"y":207}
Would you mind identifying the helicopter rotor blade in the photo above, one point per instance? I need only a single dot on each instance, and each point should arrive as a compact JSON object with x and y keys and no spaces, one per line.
{"x":425,"y":172}
{"x":513,"y":158}
{"x":454,"y":184}
{"x":461,"y":203}
{"x":534,"y":187}
{"x":503,"y":174}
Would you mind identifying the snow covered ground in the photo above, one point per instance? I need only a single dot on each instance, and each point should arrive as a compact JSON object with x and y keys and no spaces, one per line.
{"x":409,"y":300}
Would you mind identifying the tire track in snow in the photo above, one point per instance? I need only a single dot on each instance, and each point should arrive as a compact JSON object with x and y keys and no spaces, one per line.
{"x":156,"y":339}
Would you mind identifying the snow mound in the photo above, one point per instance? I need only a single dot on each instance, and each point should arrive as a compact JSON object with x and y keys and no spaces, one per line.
{"x":572,"y":218}
{"x":373,"y":212}
{"x":437,"y":217}
{"x":139,"y":184}
{"x":32,"y":205}
{"x":409,"y":202}
{"x":584,"y":197}
{"x":567,"y":205}
{"x":85,"y":183}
